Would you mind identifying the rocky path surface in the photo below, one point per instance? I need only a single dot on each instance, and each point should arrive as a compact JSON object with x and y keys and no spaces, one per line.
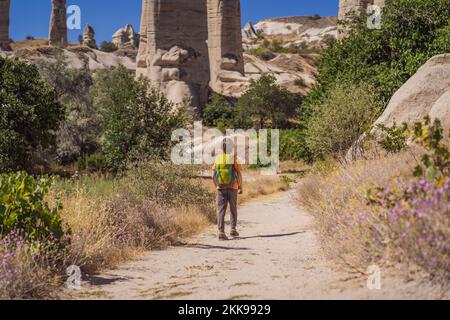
{"x":277,"y":257}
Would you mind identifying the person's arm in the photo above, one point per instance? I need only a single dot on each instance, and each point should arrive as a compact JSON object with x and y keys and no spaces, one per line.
{"x":213,"y":175}
{"x":239,"y":177}
{"x":240,"y":182}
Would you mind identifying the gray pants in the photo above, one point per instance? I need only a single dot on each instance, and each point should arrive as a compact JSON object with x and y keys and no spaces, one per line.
{"x":224,"y":197}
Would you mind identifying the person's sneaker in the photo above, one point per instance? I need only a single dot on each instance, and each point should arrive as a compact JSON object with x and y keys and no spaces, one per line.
{"x":223,"y":237}
{"x":234,"y":234}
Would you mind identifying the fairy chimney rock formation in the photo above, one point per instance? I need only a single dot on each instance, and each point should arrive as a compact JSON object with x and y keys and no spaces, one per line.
{"x":347,"y":8}
{"x":89,"y":37}
{"x":187,"y":46}
{"x":58,"y":24}
{"x":350,"y":8}
{"x":173,"y":51}
{"x":248,"y":32}
{"x":225,"y":47}
{"x":126,"y":37}
{"x":4,"y":24}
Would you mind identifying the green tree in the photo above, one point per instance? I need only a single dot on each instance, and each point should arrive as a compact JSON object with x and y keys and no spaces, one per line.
{"x":78,"y":135}
{"x":219,"y":113}
{"x":137,"y":120}
{"x":30,"y":114}
{"x":343,"y":118}
{"x":265,"y":101}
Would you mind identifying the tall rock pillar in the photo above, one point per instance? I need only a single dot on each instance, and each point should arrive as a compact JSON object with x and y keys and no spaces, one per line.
{"x":173,"y":51}
{"x":4,"y":24}
{"x":350,"y":8}
{"x":225,"y":47}
{"x":58,"y":24}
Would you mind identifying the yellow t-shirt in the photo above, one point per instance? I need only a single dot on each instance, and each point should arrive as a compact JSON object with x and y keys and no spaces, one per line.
{"x":238,"y":169}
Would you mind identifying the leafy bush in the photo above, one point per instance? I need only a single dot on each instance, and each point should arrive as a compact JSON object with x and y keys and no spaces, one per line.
{"x":106,"y":46}
{"x":136,"y":119}
{"x":412,"y":32}
{"x":265,"y":100}
{"x":219,"y":113}
{"x":79,"y":133}
{"x":292,"y":145}
{"x":427,"y":134}
{"x":344,"y":116}
{"x":29,"y":114}
{"x":23,"y":208}
{"x":167,"y":184}
{"x":436,"y":162}
{"x":393,"y":140}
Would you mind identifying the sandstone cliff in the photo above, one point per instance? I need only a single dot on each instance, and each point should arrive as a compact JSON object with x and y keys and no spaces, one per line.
{"x":173,"y":52}
{"x":76,"y":55}
{"x":426,"y":93}
{"x":225,"y":47}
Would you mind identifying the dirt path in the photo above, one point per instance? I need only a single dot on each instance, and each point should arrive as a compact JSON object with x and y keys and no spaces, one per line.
{"x":277,"y":257}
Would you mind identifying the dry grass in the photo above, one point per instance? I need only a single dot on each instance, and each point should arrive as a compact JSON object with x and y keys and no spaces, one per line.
{"x":107,"y":231}
{"x":262,"y":186}
{"x":349,"y":229}
{"x":358,"y":234}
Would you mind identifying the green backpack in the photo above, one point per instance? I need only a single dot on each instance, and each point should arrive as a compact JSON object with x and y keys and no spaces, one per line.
{"x":224,"y":173}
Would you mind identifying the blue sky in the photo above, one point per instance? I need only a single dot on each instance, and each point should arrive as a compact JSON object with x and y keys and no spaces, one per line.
{"x":31,"y":17}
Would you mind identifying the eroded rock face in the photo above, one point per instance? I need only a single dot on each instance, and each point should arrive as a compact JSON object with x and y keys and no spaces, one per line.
{"x":426,"y":93}
{"x":58,"y":24}
{"x":4,"y":24}
{"x":187,"y":46}
{"x":173,"y":51}
{"x":89,"y":37}
{"x":225,"y":47}
{"x":348,"y":8}
{"x":126,"y":37}
{"x":249,"y":32}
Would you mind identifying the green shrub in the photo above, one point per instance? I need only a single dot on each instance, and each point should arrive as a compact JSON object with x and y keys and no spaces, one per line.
{"x":394,"y":139}
{"x":342,"y":119}
{"x":219,"y":113}
{"x":29,"y":114}
{"x":23,"y":208}
{"x":79,"y":133}
{"x":136,"y":119}
{"x":436,"y":161}
{"x":292,"y":145}
{"x":106,"y":46}
{"x":167,"y":184}
{"x":264,"y":101}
